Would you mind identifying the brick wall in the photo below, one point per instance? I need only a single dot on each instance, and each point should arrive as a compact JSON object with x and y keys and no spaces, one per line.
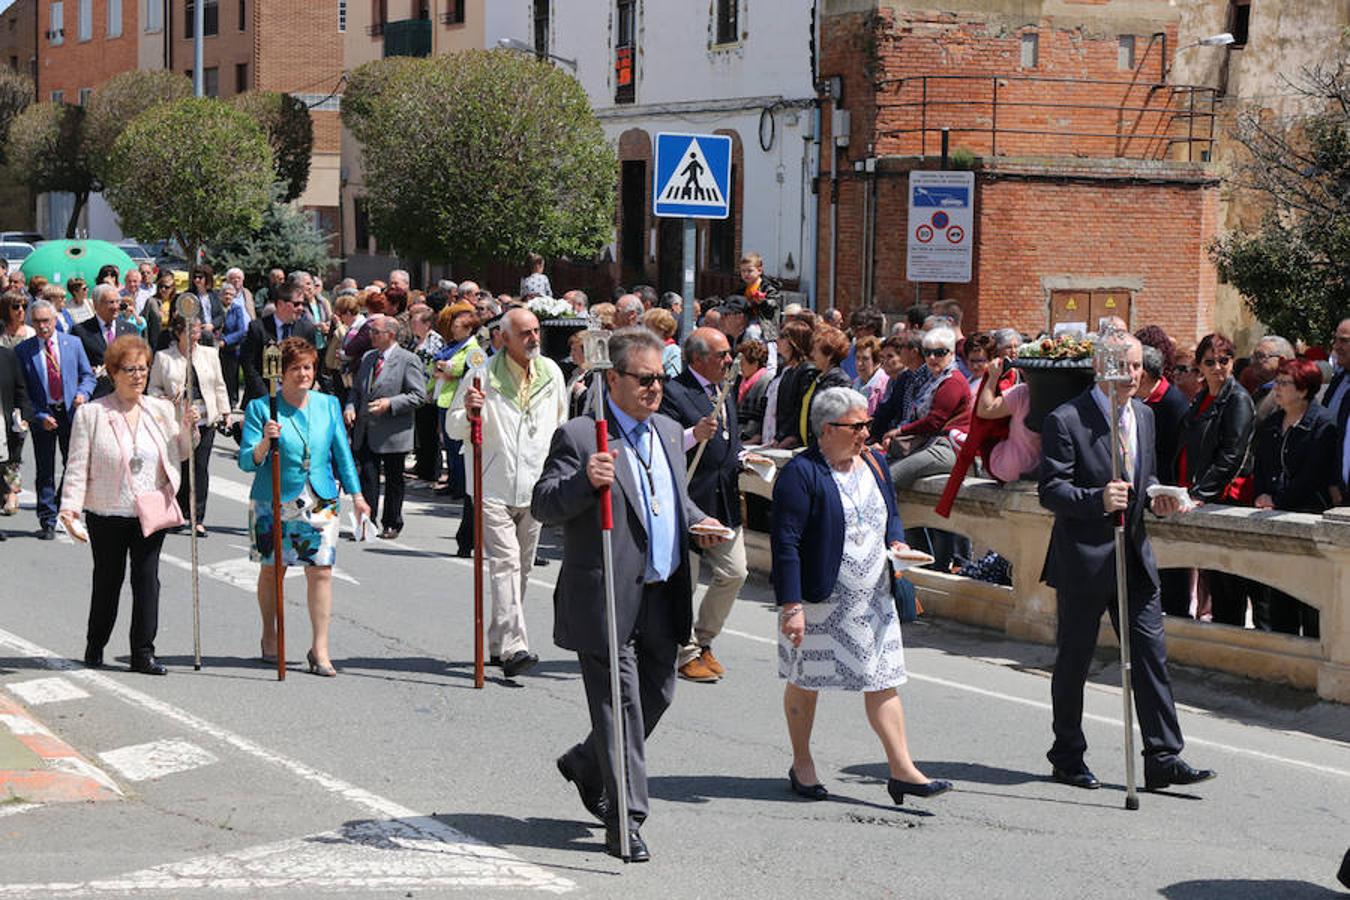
{"x":75,"y":64}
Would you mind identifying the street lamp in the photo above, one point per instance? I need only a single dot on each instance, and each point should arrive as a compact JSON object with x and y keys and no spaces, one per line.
{"x":507,"y":43}
{"x":1222,"y":39}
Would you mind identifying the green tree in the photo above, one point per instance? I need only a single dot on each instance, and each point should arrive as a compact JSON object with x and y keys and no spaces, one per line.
{"x":194,"y":169}
{"x":120,"y":99}
{"x":479,"y":156}
{"x":46,"y":149}
{"x":1294,"y":272}
{"x":287,"y":239}
{"x":16,"y":94}
{"x":290,"y":133}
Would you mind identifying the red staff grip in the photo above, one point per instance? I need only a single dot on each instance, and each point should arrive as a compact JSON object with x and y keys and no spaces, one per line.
{"x":476,"y":420}
{"x":606,"y":507}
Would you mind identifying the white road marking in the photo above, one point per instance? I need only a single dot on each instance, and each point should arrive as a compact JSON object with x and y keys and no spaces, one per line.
{"x":1105,"y":720}
{"x":18,"y":725}
{"x":74,"y":765}
{"x":10,"y":809}
{"x":479,"y":864}
{"x":143,"y":762}
{"x":242,"y":572}
{"x":370,"y":856}
{"x":46,"y":690}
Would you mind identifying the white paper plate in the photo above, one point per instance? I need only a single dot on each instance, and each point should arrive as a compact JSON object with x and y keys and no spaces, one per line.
{"x":1167,"y":490}
{"x":913,"y":559}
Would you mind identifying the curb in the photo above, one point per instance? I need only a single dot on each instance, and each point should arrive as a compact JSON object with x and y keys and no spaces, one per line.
{"x":64,"y":776}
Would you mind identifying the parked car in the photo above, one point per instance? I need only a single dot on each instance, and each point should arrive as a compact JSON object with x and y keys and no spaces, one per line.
{"x":15,"y":252}
{"x":20,"y":237}
{"x":138,"y":253}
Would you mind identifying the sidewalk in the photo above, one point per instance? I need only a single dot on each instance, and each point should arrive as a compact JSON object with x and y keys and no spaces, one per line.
{"x":38,"y":767}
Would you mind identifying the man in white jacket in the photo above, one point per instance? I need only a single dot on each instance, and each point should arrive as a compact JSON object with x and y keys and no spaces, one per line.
{"x":523,"y":401}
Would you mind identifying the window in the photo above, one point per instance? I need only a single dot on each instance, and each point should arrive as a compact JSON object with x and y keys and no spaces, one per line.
{"x":240,"y":77}
{"x":454,"y":12}
{"x":86,"y":20}
{"x":541,"y":27}
{"x":243,"y":15}
{"x":361,"y":224}
{"x":211,"y":82}
{"x":422,"y":9}
{"x":14,"y":63}
{"x":1239,"y":20}
{"x":728,"y":21}
{"x":85,"y":94}
{"x":57,"y":32}
{"x":342,"y":16}
{"x":114,"y":18}
{"x":211,"y":14}
{"x":1125,"y":53}
{"x":154,"y":16}
{"x":1030,"y":50}
{"x":722,"y":256}
{"x":625,"y":52}
{"x":58,"y":96}
{"x":379,"y":16}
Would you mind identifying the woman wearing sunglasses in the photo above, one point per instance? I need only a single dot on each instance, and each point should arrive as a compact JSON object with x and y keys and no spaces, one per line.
{"x":1214,"y":461}
{"x":928,"y":443}
{"x":15,"y":329}
{"x":834,"y":519}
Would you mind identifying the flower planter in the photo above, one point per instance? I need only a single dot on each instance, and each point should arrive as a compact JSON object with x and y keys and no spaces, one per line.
{"x":554,"y":335}
{"x":1052,"y":382}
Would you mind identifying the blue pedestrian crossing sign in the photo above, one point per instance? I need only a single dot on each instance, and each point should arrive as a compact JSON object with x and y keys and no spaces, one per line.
{"x":693,"y":176}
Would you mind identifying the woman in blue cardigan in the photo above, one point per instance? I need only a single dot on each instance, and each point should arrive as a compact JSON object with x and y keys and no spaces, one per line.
{"x":834,"y":516}
{"x":312,"y":441}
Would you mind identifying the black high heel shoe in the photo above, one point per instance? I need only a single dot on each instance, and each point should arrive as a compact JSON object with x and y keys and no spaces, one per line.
{"x":898,"y":789}
{"x":809,"y":791}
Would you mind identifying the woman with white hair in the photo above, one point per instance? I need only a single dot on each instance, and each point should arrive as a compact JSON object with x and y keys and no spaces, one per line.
{"x":929,"y":443}
{"x":834,"y":516}
{"x":243,"y":296}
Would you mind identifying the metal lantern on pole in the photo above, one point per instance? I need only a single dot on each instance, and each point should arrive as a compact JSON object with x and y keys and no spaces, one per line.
{"x":188,"y":304}
{"x":1110,"y":359}
{"x":595,"y":343}
{"x":271,"y":365}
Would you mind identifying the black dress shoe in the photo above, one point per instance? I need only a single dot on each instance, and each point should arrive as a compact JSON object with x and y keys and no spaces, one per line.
{"x":637,"y":847}
{"x":815,"y":791}
{"x":1079,"y":778}
{"x":1159,"y":776}
{"x":46,"y":533}
{"x":464,"y":553}
{"x":93,"y":659}
{"x":592,"y":798}
{"x":898,"y":789}
{"x":519,"y":663}
{"x":148,"y":665}
{"x":495,"y":660}
{"x":389,"y":534}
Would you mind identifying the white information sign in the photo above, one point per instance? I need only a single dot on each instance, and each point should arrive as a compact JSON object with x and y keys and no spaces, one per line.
{"x":941,"y":226}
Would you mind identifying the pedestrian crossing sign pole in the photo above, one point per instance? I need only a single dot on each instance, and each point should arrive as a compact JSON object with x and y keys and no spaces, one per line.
{"x":691,"y":181}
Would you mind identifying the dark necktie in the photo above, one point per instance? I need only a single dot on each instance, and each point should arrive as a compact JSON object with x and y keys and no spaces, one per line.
{"x":379,"y":367}
{"x":54,"y":387}
{"x":285,"y":331}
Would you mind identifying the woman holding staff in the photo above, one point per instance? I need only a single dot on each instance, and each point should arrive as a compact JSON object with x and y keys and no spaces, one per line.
{"x":312,"y":442}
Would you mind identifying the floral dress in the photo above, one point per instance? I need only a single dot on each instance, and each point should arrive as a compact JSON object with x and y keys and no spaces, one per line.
{"x":852,"y":640}
{"x":309,"y":523}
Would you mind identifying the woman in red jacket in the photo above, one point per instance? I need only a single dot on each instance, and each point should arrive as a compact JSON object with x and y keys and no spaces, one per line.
{"x":928,"y":444}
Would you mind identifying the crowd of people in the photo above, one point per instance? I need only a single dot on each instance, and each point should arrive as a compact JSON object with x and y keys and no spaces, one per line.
{"x":382,"y":385}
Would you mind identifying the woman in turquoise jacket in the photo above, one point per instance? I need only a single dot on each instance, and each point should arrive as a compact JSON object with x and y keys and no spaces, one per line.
{"x":313,"y":443}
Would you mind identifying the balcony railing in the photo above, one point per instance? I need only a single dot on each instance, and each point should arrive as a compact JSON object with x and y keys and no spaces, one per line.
{"x":407,"y":37}
{"x":1016,"y":115}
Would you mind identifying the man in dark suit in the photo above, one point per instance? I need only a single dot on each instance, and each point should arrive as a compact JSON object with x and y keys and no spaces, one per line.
{"x":13,"y":399}
{"x":285,"y":322}
{"x":714,"y":487}
{"x":1076,"y":485}
{"x":98,"y":332}
{"x":652,"y":516}
{"x":1169,"y":407}
{"x":59,"y":380}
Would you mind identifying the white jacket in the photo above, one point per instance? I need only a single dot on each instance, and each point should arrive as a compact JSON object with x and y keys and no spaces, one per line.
{"x":515,"y":441}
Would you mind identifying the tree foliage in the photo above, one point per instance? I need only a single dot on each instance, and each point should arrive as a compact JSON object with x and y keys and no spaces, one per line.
{"x":16,"y":94}
{"x":194,"y":169}
{"x":46,"y":149}
{"x":1294,"y":272}
{"x":481,"y":155}
{"x":290,"y":133}
{"x":287,"y":239}
{"x":119,"y":100}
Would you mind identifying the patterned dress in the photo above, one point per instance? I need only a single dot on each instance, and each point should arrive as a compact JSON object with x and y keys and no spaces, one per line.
{"x":309,"y":523}
{"x":852,"y":640}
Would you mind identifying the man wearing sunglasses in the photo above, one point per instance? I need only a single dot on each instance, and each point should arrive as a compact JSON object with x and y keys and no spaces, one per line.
{"x":285,"y":321}
{"x":652,"y":517}
{"x":714,"y":486}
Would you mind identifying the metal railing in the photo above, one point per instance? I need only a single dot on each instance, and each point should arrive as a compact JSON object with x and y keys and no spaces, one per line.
{"x":1034,"y":115}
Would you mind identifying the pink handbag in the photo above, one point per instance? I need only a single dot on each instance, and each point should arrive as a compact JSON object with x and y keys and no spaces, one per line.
{"x":156,"y":509}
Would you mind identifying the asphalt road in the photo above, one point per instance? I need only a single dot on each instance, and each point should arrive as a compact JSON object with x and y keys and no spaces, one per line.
{"x":398,"y":779}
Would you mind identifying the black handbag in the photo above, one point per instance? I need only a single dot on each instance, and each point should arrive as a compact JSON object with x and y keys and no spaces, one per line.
{"x":907,"y":606}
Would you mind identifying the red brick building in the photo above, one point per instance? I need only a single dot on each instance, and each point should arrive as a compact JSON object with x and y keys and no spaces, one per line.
{"x":1093,"y":193}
